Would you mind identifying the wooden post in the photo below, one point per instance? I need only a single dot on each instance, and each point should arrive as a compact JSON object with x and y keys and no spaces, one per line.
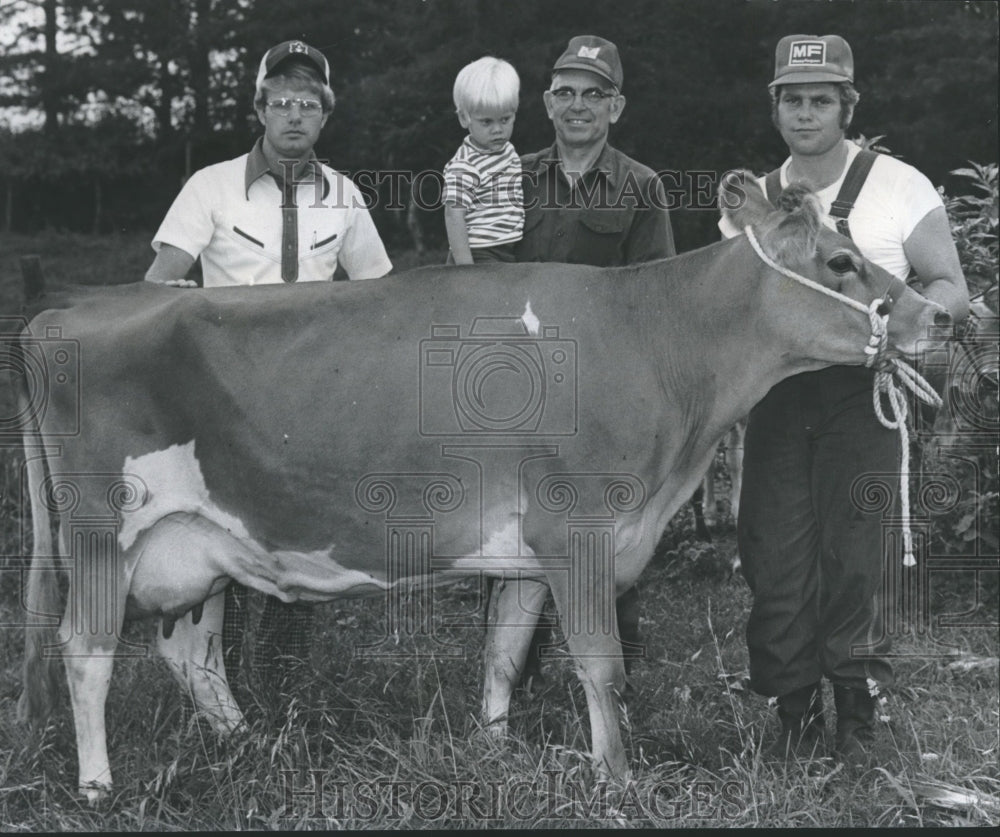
{"x":31,"y":275}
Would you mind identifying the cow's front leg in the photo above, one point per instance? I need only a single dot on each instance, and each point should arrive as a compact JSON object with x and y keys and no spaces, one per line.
{"x":512,"y":615}
{"x":585,"y":599}
{"x":193,"y":650}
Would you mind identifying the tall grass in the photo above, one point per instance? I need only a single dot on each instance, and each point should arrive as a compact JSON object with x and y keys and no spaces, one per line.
{"x":396,"y":743}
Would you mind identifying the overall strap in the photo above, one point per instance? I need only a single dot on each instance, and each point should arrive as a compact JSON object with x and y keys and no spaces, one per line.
{"x":772,"y":185}
{"x":851,"y":187}
{"x":841,"y":207}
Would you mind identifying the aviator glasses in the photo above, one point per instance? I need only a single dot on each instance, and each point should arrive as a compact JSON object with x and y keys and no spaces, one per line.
{"x":307,"y":107}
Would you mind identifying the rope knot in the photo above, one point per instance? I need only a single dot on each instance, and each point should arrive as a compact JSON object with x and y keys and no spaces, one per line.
{"x":878,"y":341}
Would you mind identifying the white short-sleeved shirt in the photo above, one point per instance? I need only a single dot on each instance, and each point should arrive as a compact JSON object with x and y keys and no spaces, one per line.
{"x":894,"y":199}
{"x":230,"y":215}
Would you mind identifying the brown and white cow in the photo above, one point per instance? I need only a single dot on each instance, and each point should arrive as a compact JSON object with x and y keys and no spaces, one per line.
{"x":536,"y":422}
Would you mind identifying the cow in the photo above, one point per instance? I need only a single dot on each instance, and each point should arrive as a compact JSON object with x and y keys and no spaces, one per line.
{"x":538,"y":423}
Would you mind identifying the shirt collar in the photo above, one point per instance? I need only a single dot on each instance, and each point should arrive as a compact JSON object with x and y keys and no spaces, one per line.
{"x":257,"y":167}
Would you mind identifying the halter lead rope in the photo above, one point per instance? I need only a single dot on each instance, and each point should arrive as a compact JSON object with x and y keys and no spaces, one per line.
{"x":885,"y":369}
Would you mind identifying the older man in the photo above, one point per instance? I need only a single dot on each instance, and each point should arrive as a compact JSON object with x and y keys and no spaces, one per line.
{"x":585,"y":201}
{"x":273,"y":215}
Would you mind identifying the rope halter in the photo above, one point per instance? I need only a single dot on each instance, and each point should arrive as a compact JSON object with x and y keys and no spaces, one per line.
{"x":886,"y":369}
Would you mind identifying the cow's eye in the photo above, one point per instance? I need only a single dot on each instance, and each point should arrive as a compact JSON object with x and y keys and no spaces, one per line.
{"x":842,"y":264}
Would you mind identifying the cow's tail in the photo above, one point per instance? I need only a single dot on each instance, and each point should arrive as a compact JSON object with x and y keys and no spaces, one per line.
{"x":41,"y":596}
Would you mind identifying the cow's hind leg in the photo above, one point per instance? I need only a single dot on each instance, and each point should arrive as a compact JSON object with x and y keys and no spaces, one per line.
{"x":193,"y":650}
{"x":512,"y":615}
{"x":734,"y":464}
{"x":89,"y":662}
{"x":88,"y":639}
{"x":698,"y":506}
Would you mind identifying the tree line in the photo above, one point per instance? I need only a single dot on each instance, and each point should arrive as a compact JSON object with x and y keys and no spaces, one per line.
{"x":110,"y":104}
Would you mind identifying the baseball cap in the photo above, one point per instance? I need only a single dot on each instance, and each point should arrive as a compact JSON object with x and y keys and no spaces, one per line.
{"x":287,"y":49}
{"x":596,"y":55}
{"x":803,"y":59}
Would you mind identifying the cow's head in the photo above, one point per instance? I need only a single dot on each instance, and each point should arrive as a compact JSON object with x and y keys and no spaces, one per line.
{"x":793,"y":235}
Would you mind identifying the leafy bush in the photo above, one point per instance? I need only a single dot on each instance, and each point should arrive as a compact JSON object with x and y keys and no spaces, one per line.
{"x":974,"y":228}
{"x":959,"y":479}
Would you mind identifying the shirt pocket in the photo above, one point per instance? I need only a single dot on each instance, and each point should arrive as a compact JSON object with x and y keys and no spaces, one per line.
{"x":250,"y":231}
{"x":610,"y":222}
{"x":247,"y":237}
{"x":319,"y":245}
{"x":327,"y":241}
{"x":600,"y":237}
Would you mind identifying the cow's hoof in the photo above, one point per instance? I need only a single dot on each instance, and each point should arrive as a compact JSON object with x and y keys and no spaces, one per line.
{"x":497,"y":730}
{"x":95,"y":793}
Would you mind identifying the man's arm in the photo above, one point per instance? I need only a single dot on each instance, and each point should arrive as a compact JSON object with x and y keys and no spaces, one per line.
{"x":931,"y":251}
{"x":170,"y":267}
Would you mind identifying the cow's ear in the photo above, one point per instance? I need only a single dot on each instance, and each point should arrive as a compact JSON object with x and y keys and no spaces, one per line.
{"x":790,"y":234}
{"x":741,"y":199}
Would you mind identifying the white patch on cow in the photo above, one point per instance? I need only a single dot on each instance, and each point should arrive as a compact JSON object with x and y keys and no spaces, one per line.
{"x":174,"y":483}
{"x":503,"y":552}
{"x":529,"y":319}
{"x":506,"y":541}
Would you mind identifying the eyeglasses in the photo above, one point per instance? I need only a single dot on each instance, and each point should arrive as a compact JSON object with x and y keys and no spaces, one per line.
{"x":591,"y":97}
{"x":307,"y":107}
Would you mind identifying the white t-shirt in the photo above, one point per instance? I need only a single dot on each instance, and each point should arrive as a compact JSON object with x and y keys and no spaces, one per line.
{"x":894,"y":199}
{"x":237,"y":230}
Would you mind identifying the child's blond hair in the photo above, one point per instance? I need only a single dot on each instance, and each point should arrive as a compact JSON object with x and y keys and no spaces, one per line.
{"x":489,"y":84}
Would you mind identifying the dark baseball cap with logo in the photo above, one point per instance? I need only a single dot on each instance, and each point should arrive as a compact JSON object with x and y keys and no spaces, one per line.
{"x":804,"y":59}
{"x":595,"y":55}
{"x":292,"y":49}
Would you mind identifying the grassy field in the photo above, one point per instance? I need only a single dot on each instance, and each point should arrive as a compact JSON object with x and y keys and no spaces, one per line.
{"x":372,"y":742}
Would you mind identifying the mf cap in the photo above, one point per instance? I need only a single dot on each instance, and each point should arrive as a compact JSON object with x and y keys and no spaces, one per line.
{"x":803,"y":59}
{"x":289,"y":49}
{"x":596,"y":55}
